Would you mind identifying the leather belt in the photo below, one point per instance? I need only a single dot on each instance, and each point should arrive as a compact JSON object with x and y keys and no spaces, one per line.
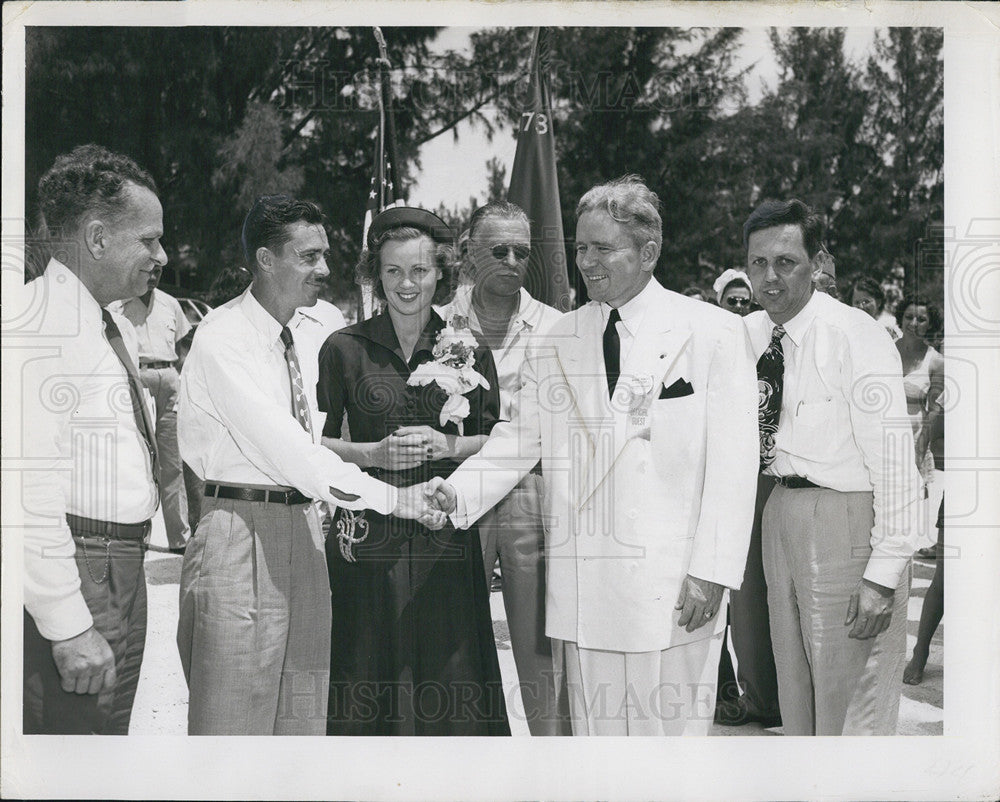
{"x":794,"y":482}
{"x":143,"y":365}
{"x":239,"y":493}
{"x":89,"y":527}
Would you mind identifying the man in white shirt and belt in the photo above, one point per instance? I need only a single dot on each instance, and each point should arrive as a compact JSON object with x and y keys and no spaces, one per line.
{"x":88,"y":487}
{"x":839,"y":529}
{"x":254,"y":628}
{"x":506,"y":319}
{"x":641,"y":407}
{"x":160,"y":324}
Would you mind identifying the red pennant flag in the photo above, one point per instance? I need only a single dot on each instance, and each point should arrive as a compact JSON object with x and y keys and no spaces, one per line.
{"x":534,"y":186}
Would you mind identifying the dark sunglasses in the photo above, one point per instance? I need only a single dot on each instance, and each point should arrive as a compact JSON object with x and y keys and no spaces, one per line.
{"x":737,"y":302}
{"x":521,"y":252}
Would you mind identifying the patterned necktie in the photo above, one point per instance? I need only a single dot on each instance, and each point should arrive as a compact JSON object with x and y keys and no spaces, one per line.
{"x":612,"y":351}
{"x":770,"y":377}
{"x":299,"y":407}
{"x":139,"y":409}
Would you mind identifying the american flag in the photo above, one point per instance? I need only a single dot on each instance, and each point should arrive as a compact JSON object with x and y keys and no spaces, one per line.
{"x":384,"y":186}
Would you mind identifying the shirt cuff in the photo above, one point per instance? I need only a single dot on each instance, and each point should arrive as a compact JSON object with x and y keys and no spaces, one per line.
{"x":886,"y":570}
{"x":63,"y":619}
{"x":460,"y":517}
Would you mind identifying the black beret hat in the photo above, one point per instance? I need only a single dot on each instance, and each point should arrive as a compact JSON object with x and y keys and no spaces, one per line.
{"x":410,"y":217}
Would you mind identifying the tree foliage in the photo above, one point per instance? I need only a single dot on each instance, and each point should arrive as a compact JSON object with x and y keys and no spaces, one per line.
{"x":220,"y":115}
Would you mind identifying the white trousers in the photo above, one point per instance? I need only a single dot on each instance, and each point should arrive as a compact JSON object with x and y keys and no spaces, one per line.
{"x":669,"y":692}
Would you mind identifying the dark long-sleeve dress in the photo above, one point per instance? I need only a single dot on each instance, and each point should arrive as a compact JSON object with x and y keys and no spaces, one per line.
{"x":412,"y":649}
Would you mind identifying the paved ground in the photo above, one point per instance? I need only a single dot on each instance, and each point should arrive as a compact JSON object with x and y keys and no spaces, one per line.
{"x":161,"y":702}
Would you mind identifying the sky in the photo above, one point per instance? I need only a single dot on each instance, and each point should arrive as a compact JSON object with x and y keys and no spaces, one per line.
{"x":452,"y":172}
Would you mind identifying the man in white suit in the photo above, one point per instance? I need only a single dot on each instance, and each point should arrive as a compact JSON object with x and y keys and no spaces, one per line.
{"x":642,"y":406}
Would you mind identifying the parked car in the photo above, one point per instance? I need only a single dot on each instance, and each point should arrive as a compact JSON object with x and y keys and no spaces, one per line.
{"x":194,"y":309}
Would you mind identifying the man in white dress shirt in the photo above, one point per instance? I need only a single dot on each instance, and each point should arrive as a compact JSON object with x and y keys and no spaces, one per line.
{"x":505,"y":318}
{"x":254,"y":628}
{"x":839,"y":529}
{"x":641,"y":407}
{"x":160,"y":324}
{"x":88,"y":487}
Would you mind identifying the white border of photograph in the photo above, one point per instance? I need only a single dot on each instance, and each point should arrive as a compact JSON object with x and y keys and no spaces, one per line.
{"x":963,"y":763}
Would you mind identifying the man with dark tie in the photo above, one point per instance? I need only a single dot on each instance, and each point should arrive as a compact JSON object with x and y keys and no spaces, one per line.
{"x":89,"y":487}
{"x":840,"y":526}
{"x":641,"y":407}
{"x":254,"y":628}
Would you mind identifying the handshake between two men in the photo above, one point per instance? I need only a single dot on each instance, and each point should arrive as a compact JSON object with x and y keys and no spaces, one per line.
{"x":430,"y":503}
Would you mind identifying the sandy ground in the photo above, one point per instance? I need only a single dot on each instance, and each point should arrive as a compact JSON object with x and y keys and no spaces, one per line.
{"x":161,"y":701}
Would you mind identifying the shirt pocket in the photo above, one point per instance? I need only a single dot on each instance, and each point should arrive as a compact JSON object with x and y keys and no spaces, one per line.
{"x":814,"y":428}
{"x":170,"y":333}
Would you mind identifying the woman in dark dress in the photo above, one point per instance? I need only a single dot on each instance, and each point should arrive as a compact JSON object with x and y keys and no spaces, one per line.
{"x":412,"y":650}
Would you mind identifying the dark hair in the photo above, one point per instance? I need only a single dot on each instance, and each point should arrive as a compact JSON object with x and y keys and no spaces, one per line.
{"x":88,"y":179}
{"x":871,"y":287}
{"x":266,"y":224}
{"x":696,"y":292}
{"x":229,"y":282}
{"x":934,"y":321}
{"x":739,"y":282}
{"x":501,"y":209}
{"x":786,"y":213}
{"x":630,"y":202}
{"x":369,"y":265}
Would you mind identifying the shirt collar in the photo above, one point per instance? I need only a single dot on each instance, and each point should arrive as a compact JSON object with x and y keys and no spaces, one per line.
{"x":528,"y":314}
{"x":796,"y":328}
{"x":379,"y":330}
{"x":261,"y":319}
{"x":64,"y":283}
{"x":632,"y":311}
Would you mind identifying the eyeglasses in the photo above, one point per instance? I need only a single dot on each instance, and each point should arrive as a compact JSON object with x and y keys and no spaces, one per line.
{"x":734,"y":302}
{"x":521,"y":252}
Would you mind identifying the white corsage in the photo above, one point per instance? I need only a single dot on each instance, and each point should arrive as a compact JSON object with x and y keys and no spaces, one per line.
{"x":452,"y":369}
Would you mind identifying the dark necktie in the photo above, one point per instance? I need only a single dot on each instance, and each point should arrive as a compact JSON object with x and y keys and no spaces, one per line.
{"x":770,"y":377}
{"x":612,"y":351}
{"x":139,"y":409}
{"x":299,"y":407}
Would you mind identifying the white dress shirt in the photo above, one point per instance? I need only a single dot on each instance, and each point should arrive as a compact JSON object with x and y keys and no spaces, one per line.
{"x":843,"y":421}
{"x":83,"y":453}
{"x":158,"y":325}
{"x":235,"y":424}
{"x":531,"y":320}
{"x":632,"y":313}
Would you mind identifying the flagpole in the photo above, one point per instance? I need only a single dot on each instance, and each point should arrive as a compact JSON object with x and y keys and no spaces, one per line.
{"x":383,"y":189}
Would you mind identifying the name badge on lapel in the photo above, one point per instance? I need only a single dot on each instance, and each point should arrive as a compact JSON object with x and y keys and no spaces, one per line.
{"x":639,"y":389}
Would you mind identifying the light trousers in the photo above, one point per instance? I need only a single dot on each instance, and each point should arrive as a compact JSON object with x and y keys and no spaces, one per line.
{"x":668,"y":692}
{"x":254,"y":624}
{"x":162,"y":384}
{"x":512,"y":533}
{"x":816,"y":547}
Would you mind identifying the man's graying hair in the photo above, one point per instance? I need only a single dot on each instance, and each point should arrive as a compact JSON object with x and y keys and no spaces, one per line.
{"x":630,"y":202}
{"x":89,"y":180}
{"x":503,"y":210}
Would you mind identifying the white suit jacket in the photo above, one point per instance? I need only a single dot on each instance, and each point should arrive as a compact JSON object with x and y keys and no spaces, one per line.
{"x":641,"y":490}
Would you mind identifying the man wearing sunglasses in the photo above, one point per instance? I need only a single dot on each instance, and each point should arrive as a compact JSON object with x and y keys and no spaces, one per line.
{"x":507,"y":319}
{"x":732,"y":290}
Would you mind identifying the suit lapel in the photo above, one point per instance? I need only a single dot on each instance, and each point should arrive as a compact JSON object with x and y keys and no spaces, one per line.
{"x":654,"y":353}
